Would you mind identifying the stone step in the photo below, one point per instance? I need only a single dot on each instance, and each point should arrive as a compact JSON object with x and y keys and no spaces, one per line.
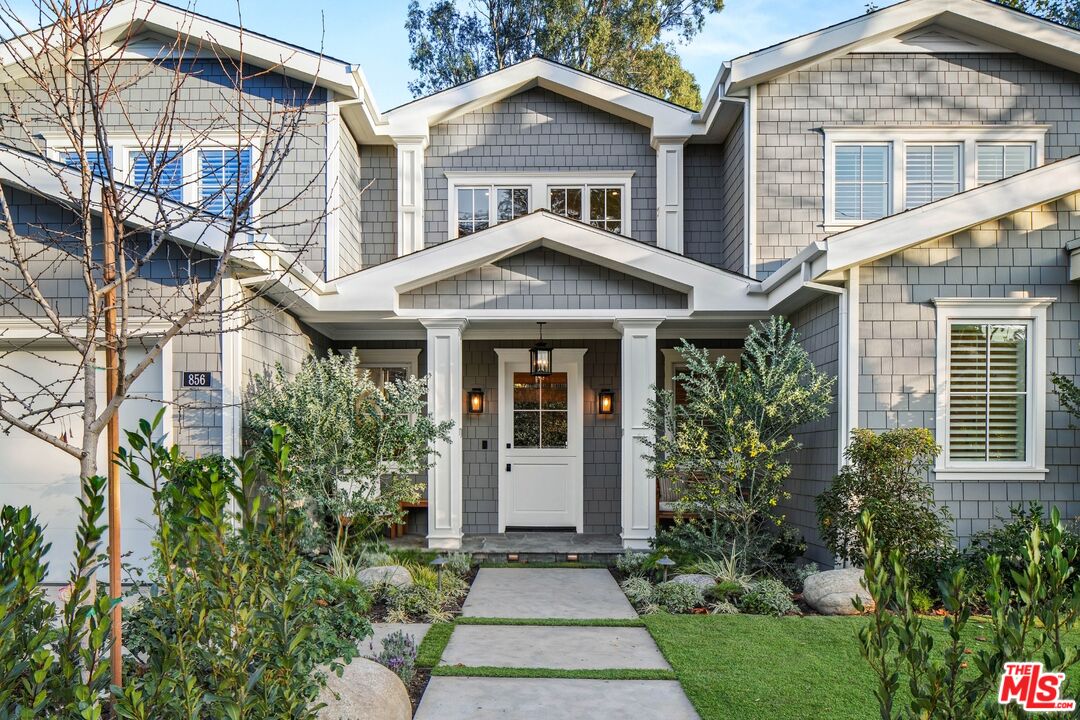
{"x":563,"y":648}
{"x":546,"y":593}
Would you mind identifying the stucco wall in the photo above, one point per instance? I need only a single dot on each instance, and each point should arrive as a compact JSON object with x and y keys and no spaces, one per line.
{"x":888,"y":89}
{"x":1016,"y":255}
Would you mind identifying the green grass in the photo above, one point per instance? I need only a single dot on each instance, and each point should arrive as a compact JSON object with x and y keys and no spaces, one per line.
{"x":545,"y":565}
{"x":501,"y":672}
{"x":763,"y":668}
{"x":566,"y":622}
{"x":434,"y":643}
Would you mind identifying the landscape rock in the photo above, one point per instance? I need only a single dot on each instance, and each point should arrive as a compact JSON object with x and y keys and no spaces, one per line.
{"x":394,"y":575}
{"x":830,"y":592}
{"x":701,"y":582}
{"x":365,"y":691}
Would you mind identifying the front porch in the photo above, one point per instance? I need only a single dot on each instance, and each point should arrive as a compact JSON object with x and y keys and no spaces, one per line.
{"x":525,"y":547}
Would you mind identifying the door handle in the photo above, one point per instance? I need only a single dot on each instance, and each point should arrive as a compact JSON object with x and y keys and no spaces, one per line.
{"x":507,"y":467}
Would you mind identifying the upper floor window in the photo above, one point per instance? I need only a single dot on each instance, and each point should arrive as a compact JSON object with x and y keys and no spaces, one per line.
{"x":871,"y":171}
{"x":481,"y":200}
{"x":224,"y":178}
{"x":94,"y":158}
{"x":161,"y":172}
{"x":991,"y":384}
{"x":931,"y":172}
{"x":1001,"y":160}
{"x":862,"y":178}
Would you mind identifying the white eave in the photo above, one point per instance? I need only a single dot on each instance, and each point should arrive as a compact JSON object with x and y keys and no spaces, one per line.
{"x":982,"y":19}
{"x":376,"y":289}
{"x":664,"y":119}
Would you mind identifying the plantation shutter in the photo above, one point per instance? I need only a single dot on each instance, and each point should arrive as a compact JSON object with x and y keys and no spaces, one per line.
{"x":221,"y":173}
{"x":988,"y":387}
{"x":997,"y":161}
{"x":932,"y":173}
{"x":861,"y":182}
{"x":170,"y":169}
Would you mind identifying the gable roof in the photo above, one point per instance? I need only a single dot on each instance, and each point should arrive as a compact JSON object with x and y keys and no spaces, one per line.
{"x":708,"y":289}
{"x":664,"y":118}
{"x":988,"y":21}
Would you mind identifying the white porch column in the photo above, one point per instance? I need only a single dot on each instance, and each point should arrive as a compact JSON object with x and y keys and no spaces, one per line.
{"x":669,"y":193}
{"x":410,"y":192}
{"x":638,"y":373}
{"x":445,"y":403}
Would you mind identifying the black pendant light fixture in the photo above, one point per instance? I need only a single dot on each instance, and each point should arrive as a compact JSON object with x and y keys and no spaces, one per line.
{"x":540,"y":356}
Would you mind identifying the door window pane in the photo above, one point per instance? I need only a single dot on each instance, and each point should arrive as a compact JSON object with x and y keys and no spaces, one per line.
{"x":512,"y":203}
{"x":473,"y":211}
{"x":932,"y":173}
{"x":605,"y":208}
{"x":540,"y":410}
{"x":566,"y":202}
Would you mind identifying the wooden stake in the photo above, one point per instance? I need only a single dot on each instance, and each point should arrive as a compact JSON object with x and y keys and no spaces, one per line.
{"x":112,"y":381}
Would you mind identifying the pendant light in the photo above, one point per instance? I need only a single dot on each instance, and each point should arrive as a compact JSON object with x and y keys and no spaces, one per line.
{"x":540,"y":356}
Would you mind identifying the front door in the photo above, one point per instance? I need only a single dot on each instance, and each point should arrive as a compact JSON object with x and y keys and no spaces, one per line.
{"x":540,"y":442}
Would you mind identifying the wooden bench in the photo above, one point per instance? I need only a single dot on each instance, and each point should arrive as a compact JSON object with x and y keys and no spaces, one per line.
{"x":666,"y":500}
{"x":398,"y":529}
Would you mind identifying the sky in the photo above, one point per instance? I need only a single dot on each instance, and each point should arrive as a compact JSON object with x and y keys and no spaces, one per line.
{"x":371,"y":33}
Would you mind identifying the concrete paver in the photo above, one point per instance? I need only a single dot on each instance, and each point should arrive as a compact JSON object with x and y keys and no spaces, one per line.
{"x":565,"y":648}
{"x":546,"y":593}
{"x":473,"y":698}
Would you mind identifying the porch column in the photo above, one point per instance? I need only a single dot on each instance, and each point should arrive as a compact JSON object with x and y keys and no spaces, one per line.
{"x":410,"y":192}
{"x":638,"y":373}
{"x":669,"y":193}
{"x":444,"y":403}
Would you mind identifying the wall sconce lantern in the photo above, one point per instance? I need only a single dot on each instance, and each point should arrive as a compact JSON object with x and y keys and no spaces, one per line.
{"x":605,"y":402}
{"x":476,"y":401}
{"x":540,"y":356}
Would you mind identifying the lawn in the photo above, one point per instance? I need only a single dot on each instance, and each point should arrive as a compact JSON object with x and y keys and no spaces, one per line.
{"x":763,"y":668}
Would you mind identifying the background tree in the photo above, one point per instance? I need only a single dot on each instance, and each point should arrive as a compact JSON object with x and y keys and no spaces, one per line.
{"x":1065,"y":12}
{"x":631,"y":42}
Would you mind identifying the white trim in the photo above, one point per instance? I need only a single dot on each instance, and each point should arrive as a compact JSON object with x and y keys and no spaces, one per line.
{"x":168,"y":391}
{"x":849,"y":360}
{"x":333,"y":189}
{"x":637,"y":375}
{"x":410,"y":194}
{"x":232,"y":372}
{"x":391,"y":357}
{"x":750,"y":131}
{"x":574,"y":359}
{"x":445,"y":403}
{"x":951,"y":215}
{"x":1034,"y":312}
{"x":673,"y":357}
{"x":932,"y":39}
{"x":540,"y":186}
{"x":670,"y":194}
{"x":968,"y":137}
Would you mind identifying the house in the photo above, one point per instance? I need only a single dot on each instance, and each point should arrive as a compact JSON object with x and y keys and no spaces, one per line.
{"x":903,"y":186}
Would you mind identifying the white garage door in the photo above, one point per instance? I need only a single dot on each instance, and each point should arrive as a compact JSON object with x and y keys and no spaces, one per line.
{"x":34,"y":473}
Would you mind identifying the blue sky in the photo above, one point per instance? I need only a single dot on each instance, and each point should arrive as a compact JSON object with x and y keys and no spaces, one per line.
{"x":372,"y":34}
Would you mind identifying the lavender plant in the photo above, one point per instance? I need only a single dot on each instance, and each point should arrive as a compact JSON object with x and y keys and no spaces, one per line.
{"x":399,"y":654}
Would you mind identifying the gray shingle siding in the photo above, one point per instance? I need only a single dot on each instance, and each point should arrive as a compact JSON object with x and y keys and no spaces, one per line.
{"x":705,"y":203}
{"x":602,"y":445}
{"x":378,"y":204}
{"x":733,"y":191}
{"x":542,"y":279}
{"x":206,"y":102}
{"x":540,"y":131}
{"x":888,"y":89}
{"x":350,"y":200}
{"x":814,"y":466}
{"x":1021,"y":253}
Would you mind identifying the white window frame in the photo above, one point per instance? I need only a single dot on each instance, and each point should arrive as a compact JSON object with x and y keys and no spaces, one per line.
{"x":1036,"y":155}
{"x":125,"y":148}
{"x":897,"y":138}
{"x":538,"y":184}
{"x":960,"y":169}
{"x":1033,"y":312}
{"x":408,"y":358}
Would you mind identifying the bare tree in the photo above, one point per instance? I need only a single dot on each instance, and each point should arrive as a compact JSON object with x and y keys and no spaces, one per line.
{"x":142,"y":241}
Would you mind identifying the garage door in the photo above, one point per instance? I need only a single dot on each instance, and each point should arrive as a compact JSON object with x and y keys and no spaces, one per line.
{"x":34,"y":473}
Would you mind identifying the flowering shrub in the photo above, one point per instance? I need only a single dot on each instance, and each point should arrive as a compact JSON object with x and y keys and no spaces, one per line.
{"x":399,"y":654}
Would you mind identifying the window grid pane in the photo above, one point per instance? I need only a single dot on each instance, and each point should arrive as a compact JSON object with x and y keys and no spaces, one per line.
{"x":861,"y":185}
{"x":540,"y":412}
{"x":512,"y":203}
{"x":169,"y":169}
{"x":224,"y":178}
{"x":94,"y":158}
{"x":932,"y":172}
{"x":997,"y":161}
{"x":988,"y":368}
{"x":566,"y":201}
{"x":605,"y":208}
{"x":473,"y":210}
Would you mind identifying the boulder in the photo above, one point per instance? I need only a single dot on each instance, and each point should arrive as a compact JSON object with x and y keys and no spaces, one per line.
{"x":701,"y":582}
{"x":365,"y":691}
{"x":394,"y":575}
{"x":831,"y":592}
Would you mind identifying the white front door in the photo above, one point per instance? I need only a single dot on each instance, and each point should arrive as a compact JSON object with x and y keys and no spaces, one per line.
{"x":540,"y":442}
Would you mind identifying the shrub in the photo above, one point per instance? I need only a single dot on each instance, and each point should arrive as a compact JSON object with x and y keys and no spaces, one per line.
{"x":725,"y":571}
{"x":632,"y":563}
{"x":723,"y":608}
{"x":336,"y":610}
{"x":459,"y":563}
{"x":676,"y":597}
{"x":638,"y":590}
{"x":726,"y":591}
{"x":921,"y":602}
{"x":729,"y":446}
{"x":947,"y":679}
{"x":886,"y":475}
{"x":399,"y":654}
{"x":768,"y":597}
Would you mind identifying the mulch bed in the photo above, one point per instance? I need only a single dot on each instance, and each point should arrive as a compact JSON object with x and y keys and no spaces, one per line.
{"x":418,"y":686}
{"x":379,"y":609}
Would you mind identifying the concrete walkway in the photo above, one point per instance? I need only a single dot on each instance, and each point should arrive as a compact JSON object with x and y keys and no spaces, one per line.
{"x":561,"y":594}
